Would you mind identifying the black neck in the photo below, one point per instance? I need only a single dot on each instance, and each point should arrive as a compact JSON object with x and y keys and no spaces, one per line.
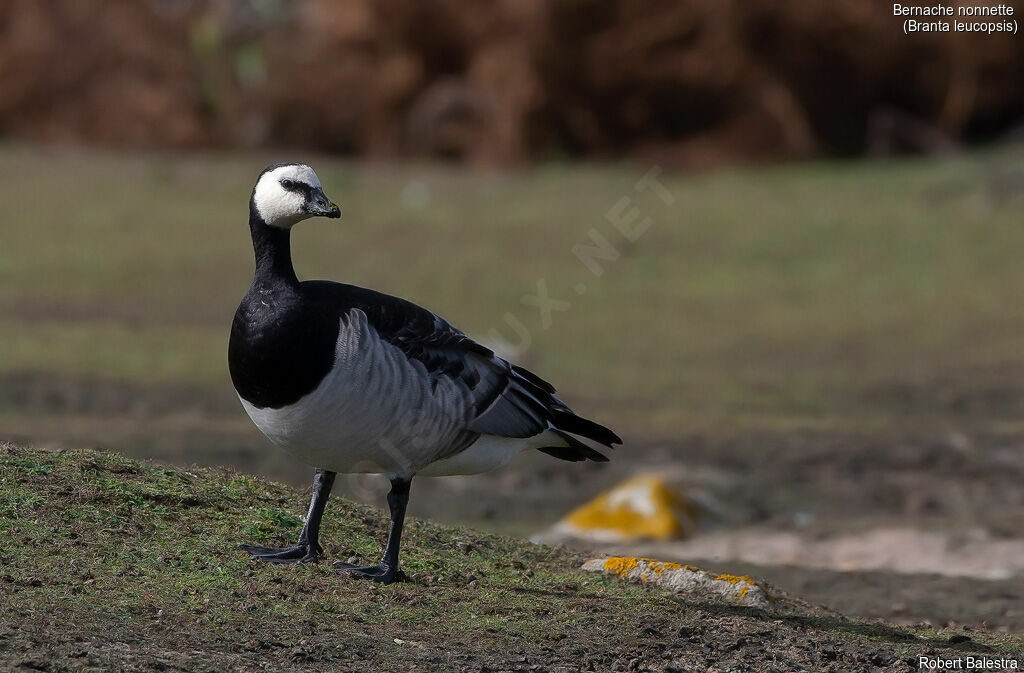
{"x":273,"y":249}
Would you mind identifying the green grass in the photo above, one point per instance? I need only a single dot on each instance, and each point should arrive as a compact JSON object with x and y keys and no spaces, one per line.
{"x":821,"y":293}
{"x":134,"y":566}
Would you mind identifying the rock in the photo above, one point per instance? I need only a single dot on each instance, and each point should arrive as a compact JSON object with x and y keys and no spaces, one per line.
{"x":644,"y":507}
{"x":684,"y":580}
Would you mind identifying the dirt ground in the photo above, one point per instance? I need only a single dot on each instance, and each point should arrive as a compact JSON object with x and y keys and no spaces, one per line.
{"x":815,"y":484}
{"x":892,"y":492}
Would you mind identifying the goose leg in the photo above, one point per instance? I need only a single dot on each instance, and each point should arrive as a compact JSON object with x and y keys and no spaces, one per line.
{"x":387,"y":570}
{"x":308,"y":549}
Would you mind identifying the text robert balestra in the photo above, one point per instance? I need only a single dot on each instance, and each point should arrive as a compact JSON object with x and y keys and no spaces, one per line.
{"x":967,"y":663}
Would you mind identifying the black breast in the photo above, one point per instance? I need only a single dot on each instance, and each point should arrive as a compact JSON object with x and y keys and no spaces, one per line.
{"x":281,"y":347}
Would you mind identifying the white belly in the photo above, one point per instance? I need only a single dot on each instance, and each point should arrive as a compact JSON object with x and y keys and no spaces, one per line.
{"x":376,"y":411}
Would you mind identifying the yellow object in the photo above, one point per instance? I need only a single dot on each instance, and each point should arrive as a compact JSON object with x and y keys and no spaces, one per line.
{"x":643,"y":507}
{"x":620,"y":565}
{"x":687,"y":580}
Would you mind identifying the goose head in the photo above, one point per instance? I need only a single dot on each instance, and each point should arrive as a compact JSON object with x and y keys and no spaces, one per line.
{"x":286,"y":194}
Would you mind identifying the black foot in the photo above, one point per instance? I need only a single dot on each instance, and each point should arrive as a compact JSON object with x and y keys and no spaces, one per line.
{"x":379,"y":573}
{"x":300,"y":553}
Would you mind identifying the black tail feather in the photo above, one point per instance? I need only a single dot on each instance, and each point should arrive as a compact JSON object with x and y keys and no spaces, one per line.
{"x":577,"y":425}
{"x":576,"y":451}
{"x":563,"y":453}
{"x":534,"y":379}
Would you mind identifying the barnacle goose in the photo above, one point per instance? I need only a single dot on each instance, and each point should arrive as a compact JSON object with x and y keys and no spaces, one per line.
{"x":351,"y":380}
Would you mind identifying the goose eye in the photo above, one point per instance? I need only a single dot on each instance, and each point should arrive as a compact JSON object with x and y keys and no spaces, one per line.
{"x":288,"y":184}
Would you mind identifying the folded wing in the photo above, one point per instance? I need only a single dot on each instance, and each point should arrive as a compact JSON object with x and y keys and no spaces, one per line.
{"x":502,"y":399}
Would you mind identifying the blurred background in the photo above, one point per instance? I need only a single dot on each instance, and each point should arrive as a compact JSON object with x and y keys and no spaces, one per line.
{"x":783,"y":240}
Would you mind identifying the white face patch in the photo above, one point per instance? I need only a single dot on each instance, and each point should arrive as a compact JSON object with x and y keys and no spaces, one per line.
{"x":280,"y":207}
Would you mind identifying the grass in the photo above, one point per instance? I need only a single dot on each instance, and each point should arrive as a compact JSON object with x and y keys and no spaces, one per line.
{"x":856,"y":294}
{"x":106,"y":562}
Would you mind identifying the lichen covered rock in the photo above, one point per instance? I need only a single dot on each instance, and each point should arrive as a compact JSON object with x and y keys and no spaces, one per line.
{"x":684,"y":579}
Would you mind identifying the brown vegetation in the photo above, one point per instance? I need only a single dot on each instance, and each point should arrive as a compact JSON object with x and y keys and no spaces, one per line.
{"x":691,"y":83}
